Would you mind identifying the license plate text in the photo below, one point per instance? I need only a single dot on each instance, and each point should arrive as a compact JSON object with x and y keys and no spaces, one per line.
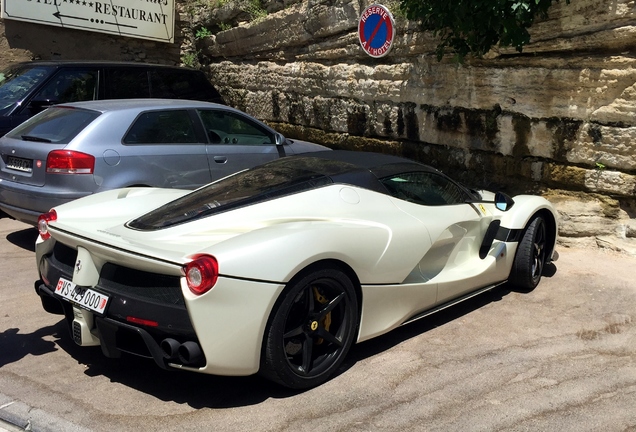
{"x":82,"y":296}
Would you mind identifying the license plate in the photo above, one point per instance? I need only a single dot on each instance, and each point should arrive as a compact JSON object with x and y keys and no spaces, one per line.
{"x":19,"y":164}
{"x":82,"y":296}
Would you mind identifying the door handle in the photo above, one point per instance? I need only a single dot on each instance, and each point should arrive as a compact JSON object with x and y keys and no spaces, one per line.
{"x":220,"y":159}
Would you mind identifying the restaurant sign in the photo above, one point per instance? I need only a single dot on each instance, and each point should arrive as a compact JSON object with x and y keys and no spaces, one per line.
{"x":146,"y":19}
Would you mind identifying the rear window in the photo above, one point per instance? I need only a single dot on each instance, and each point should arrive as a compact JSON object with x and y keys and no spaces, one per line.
{"x":57,"y":125}
{"x":281,"y":177}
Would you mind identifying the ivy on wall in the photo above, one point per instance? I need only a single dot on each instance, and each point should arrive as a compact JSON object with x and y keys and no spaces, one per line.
{"x":475,"y":26}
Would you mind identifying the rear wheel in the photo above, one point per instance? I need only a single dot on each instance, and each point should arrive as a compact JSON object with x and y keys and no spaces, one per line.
{"x":311,"y":330}
{"x":531,"y":256}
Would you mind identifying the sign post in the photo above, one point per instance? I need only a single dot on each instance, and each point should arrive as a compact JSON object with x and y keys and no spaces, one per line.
{"x":376,"y":30}
{"x":144,"y":19}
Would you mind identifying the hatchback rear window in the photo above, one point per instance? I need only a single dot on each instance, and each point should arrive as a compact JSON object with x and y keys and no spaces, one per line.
{"x":57,"y":125}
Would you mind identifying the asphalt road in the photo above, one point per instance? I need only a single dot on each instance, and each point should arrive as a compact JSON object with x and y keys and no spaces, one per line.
{"x":562,"y":357}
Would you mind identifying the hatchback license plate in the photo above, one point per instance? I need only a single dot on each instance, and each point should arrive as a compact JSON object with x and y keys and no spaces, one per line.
{"x":82,"y":296}
{"x":19,"y":164}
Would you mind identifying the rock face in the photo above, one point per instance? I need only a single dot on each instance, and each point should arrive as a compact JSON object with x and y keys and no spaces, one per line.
{"x":559,"y":118}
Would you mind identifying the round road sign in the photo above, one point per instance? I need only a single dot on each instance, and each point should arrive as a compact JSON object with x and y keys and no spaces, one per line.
{"x":376,"y":30}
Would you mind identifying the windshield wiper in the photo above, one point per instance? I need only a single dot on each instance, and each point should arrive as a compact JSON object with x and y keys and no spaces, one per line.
{"x":34,"y":138}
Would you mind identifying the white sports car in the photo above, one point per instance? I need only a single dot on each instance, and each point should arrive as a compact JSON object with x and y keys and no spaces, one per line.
{"x":279,"y":269}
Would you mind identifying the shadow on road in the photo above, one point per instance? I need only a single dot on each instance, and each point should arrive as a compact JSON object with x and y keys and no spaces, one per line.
{"x":207,"y":391}
{"x":22,"y":345}
{"x":404,"y":333}
{"x":24,"y":239}
{"x":196,"y":390}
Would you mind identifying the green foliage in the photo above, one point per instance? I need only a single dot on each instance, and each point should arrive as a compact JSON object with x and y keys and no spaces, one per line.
{"x":255,"y":10}
{"x":190,"y":59}
{"x":475,"y":26}
{"x":224,"y":26}
{"x":202,"y":33}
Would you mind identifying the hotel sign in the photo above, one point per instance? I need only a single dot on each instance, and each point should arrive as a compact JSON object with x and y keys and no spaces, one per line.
{"x":146,"y":19}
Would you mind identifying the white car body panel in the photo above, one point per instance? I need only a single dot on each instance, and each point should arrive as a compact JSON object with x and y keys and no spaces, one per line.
{"x":408,"y":258}
{"x":232,"y":312}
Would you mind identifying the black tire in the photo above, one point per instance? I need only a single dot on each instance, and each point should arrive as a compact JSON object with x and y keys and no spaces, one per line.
{"x":311,"y":329}
{"x":531,"y":256}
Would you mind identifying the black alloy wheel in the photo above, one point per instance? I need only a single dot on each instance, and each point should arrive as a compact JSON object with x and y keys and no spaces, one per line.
{"x":531,"y":256}
{"x":311,"y":329}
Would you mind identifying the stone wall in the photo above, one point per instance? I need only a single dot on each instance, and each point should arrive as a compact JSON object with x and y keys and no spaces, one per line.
{"x":559,"y":118}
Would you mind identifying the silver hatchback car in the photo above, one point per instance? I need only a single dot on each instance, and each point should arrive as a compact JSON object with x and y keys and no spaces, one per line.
{"x":73,"y":150}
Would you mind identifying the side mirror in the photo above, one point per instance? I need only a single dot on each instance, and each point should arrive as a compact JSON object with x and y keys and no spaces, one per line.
{"x":503,"y":202}
{"x":279,"y":139}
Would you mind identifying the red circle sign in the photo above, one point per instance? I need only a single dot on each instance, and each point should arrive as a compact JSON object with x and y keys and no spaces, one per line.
{"x":376,"y":30}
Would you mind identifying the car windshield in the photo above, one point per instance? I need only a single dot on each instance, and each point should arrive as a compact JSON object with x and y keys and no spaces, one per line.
{"x":16,"y":82}
{"x":57,"y":125}
{"x":282,"y":177}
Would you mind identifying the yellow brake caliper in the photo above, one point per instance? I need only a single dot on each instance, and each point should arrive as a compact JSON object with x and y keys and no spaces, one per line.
{"x":326,"y":321}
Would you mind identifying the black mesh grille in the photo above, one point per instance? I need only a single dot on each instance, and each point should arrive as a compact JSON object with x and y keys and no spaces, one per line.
{"x":142,"y":285}
{"x":63,"y":257}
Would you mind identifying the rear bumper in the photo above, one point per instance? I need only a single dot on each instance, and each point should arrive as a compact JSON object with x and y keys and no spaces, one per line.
{"x":226,"y":324}
{"x":116,"y":336}
{"x":25,"y":203}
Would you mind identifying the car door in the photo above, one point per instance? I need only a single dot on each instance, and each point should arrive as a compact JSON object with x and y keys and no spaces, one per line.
{"x":456,"y":226}
{"x":163,"y":149}
{"x":237,"y":142}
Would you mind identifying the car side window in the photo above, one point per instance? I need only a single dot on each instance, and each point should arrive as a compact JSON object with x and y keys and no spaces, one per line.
{"x":70,"y":85}
{"x":182,"y":84}
{"x":126,"y":83}
{"x":226,"y":127}
{"x":162,"y":127}
{"x":425,"y":188}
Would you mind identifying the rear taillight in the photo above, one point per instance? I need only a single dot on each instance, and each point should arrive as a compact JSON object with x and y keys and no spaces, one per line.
{"x":202,"y":273}
{"x":69,"y":162}
{"x":43,"y":223}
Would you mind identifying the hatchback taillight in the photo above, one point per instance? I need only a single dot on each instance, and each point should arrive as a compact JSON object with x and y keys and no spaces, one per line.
{"x":43,"y":223}
{"x":69,"y":162}
{"x":201,"y":273}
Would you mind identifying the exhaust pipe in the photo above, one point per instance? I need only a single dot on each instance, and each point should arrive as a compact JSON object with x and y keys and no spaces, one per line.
{"x":170,"y":348}
{"x":189,"y":352}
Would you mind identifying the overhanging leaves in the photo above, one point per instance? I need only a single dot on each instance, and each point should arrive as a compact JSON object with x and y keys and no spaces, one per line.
{"x":475,"y":26}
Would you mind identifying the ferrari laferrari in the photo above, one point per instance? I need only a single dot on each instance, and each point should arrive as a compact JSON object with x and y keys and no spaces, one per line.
{"x":280,"y":268}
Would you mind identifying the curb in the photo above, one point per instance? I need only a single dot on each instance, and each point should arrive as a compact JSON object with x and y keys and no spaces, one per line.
{"x":16,"y":416}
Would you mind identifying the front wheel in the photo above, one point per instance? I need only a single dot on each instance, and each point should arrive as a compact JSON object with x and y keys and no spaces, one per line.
{"x":311,"y":330}
{"x":531,"y":256}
